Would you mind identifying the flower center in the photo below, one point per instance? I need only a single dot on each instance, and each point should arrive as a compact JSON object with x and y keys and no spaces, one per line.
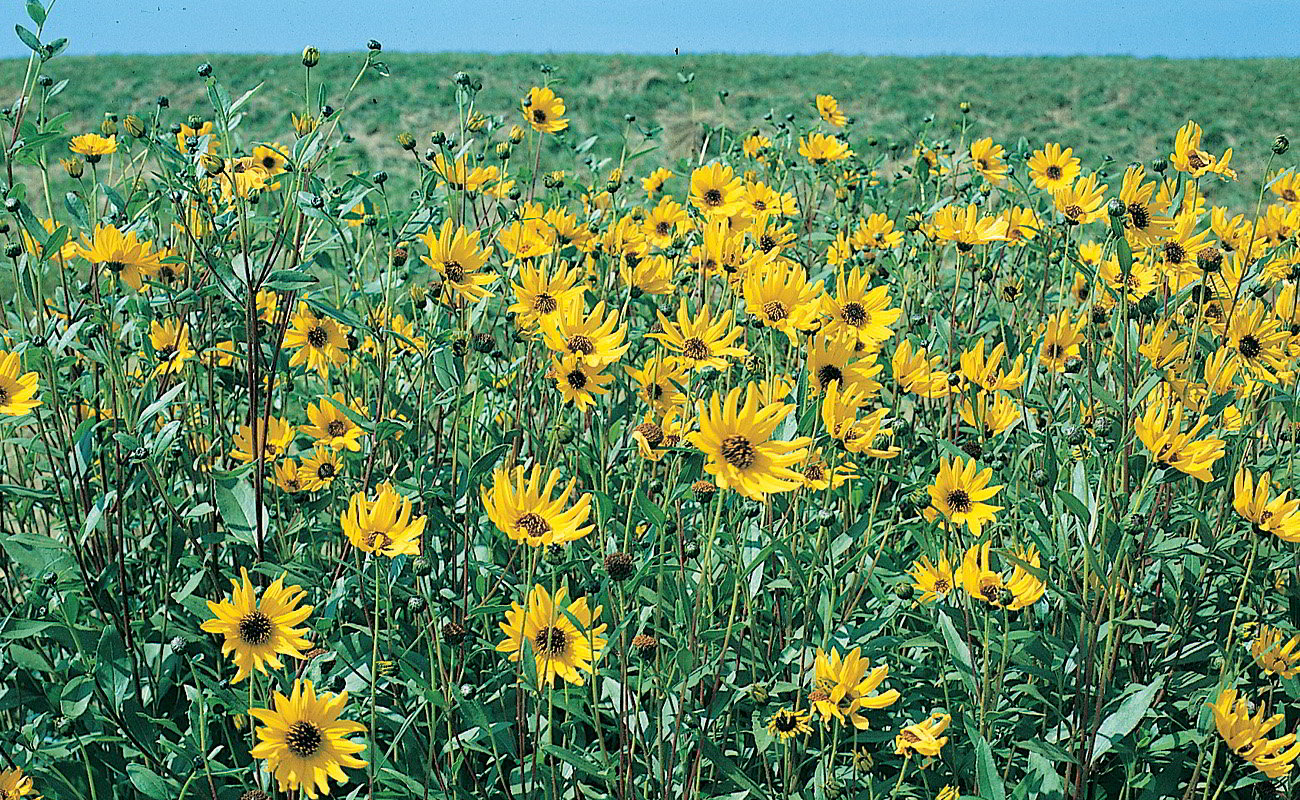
{"x":1140,"y":215}
{"x":713,"y":197}
{"x":854,"y":314}
{"x":453,"y":271}
{"x":959,"y":501}
{"x":325,"y":471}
{"x":1053,"y":172}
{"x":316,"y":337}
{"x":576,"y":379}
{"x":654,"y":435}
{"x":336,"y":428}
{"x":827,"y":373}
{"x":739,"y":452}
{"x":1174,"y":252}
{"x":1249,"y":346}
{"x":775,"y":311}
{"x":551,"y":642}
{"x":304,"y":739}
{"x":544,"y":303}
{"x":255,"y":628}
{"x":581,"y":344}
{"x":535,"y":525}
{"x":695,"y":349}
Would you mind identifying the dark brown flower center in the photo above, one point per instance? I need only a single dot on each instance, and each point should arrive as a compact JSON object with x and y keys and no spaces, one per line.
{"x":325,"y":471}
{"x":775,"y":311}
{"x":695,"y":349}
{"x":654,"y":435}
{"x":1140,"y":216}
{"x":854,"y":314}
{"x":336,"y":428}
{"x":539,"y":116}
{"x":581,"y":344}
{"x":959,"y":501}
{"x":551,"y":642}
{"x":1249,"y":346}
{"x":317,"y":337}
{"x":827,"y":373}
{"x":255,"y":628}
{"x":1053,"y":172}
{"x":1174,"y":252}
{"x":739,"y":452}
{"x":545,"y":303}
{"x":304,"y":739}
{"x":712,"y":197}
{"x":535,"y":525}
{"x":576,"y":379}
{"x":453,"y":271}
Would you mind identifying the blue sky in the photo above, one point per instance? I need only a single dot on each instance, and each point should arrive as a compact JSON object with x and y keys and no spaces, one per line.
{"x":1191,"y":28}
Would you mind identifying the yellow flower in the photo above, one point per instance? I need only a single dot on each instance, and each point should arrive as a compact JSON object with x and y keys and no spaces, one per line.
{"x":987,"y":158}
{"x":1081,"y":201}
{"x":564,"y":639}
{"x":319,"y":342}
{"x":319,"y":470}
{"x":992,"y":413}
{"x":454,"y":253}
{"x":934,"y":582}
{"x":737,"y":440}
{"x":829,"y":109}
{"x":988,"y":372}
{"x":918,"y":373}
{"x":258,"y":631}
{"x":843,"y":689}
{"x":14,"y":785}
{"x":527,"y":510}
{"x":579,"y":380}
{"x":819,"y":148}
{"x":780,"y":296}
{"x":122,"y":255}
{"x":716,"y":191}
{"x":788,"y":723}
{"x":1160,"y":429}
{"x":544,"y":110}
{"x":1162,"y":346}
{"x":701,"y":341}
{"x":1275,"y":654}
{"x":959,"y":491}
{"x":965,"y":227}
{"x":1278,"y":515}
{"x":660,"y":382}
{"x":384,"y":525}
{"x":1018,"y":590}
{"x":303,"y":741}
{"x":1053,"y":168}
{"x":654,"y":182}
{"x":595,"y":338}
{"x":93,"y":146}
{"x":1245,"y":734}
{"x":923,"y":738}
{"x":1188,"y":156}
{"x":171,"y":346}
{"x":269,"y":443}
{"x":18,"y":389}
{"x":1061,"y":340}
{"x":859,"y":311}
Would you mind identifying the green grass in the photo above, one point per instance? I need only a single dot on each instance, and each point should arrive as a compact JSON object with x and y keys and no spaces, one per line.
{"x":1123,"y":107}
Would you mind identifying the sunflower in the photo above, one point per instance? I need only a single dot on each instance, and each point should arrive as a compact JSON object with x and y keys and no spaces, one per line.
{"x":716,"y":191}
{"x":755,"y":145}
{"x":788,"y":723}
{"x":525,"y":509}
{"x":271,"y":159}
{"x":384,"y":525}
{"x":271,"y":440}
{"x":319,"y":470}
{"x":14,"y":785}
{"x":819,"y":148}
{"x":1160,"y":429}
{"x":1023,"y":225}
{"x":843,"y":689}
{"x":303,"y":741}
{"x":1140,"y":281}
{"x":1246,"y":734}
{"x":737,"y":440}
{"x":565,"y":640}
{"x":820,"y":476}
{"x":1053,"y":168}
{"x":1278,"y":515}
{"x":171,"y":346}
{"x":17,"y":388}
{"x":259,"y":631}
{"x":595,"y":338}
{"x":1061,"y":340}
{"x":781,"y":297}
{"x":965,"y":227}
{"x":286,"y":476}
{"x":1177,"y":252}
{"x":92,"y":146}
{"x":917,"y":372}
{"x":988,"y":372}
{"x":835,"y":358}
{"x":829,"y":109}
{"x":330,"y":426}
{"x":1274,"y":653}
{"x":959,"y":491}
{"x":701,"y":341}
{"x":923,"y":738}
{"x":454,"y":253}
{"x":1145,"y":223}
{"x":1188,"y":156}
{"x":1020,"y":589}
{"x":653,"y":275}
{"x":654,"y":182}
{"x":656,"y":435}
{"x":992,"y":414}
{"x":319,"y":342}
{"x":988,"y":160}
{"x":1082,"y":201}
{"x":544,"y":110}
{"x":580,"y":381}
{"x":858,"y":311}
{"x":933,"y":581}
{"x":666,"y":222}
{"x":876,"y":232}
{"x":659,"y":382}
{"x":123,"y":255}
{"x":1257,"y":341}
{"x":1162,"y":346}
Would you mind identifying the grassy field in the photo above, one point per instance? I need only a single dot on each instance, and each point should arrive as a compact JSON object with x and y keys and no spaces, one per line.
{"x":1122,"y":107}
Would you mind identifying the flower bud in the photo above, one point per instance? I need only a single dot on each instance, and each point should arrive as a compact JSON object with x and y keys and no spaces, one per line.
{"x":1281,"y":144}
{"x":407,"y":140}
{"x":310,"y":57}
{"x":134,"y":126}
{"x":73,"y":167}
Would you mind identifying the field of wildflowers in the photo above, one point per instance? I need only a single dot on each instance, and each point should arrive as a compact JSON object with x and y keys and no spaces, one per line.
{"x":807,"y":466}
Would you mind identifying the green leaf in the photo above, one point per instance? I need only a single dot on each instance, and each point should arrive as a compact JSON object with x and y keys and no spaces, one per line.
{"x":149,"y":783}
{"x":36,"y":12}
{"x":283,"y":280}
{"x":1125,"y":718}
{"x":986,"y":772}
{"x":28,"y":38}
{"x":729,"y":767}
{"x":959,"y":651}
{"x":238,"y":509}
